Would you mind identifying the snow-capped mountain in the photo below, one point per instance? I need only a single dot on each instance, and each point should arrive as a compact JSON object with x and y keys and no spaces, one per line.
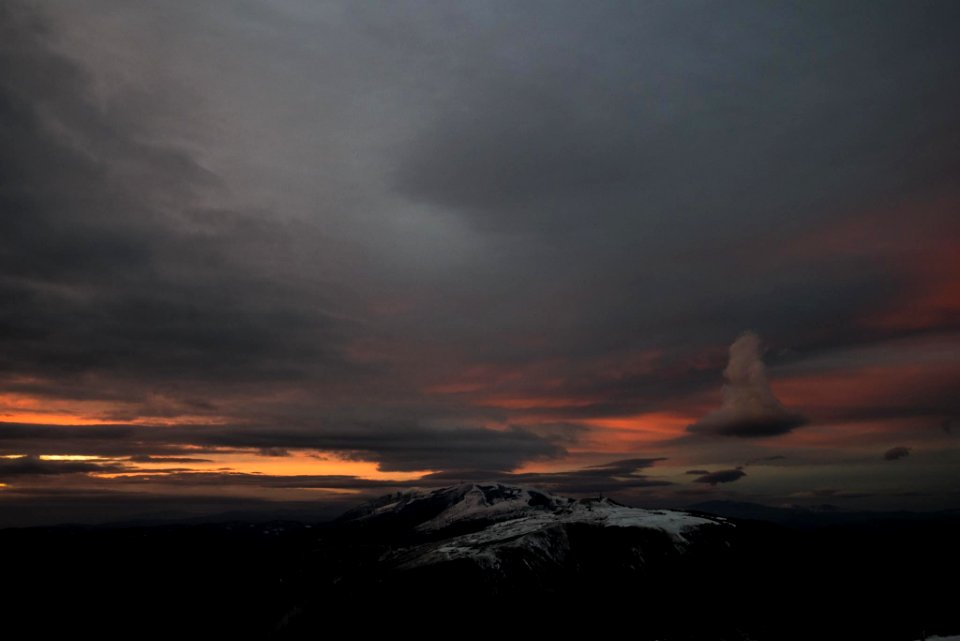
{"x":494,"y":524}
{"x":509,"y":560}
{"x":496,"y":502}
{"x":436,"y":509}
{"x":484,"y":544}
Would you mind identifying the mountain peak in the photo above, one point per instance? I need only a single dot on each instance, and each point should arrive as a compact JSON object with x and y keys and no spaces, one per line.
{"x":471,"y":506}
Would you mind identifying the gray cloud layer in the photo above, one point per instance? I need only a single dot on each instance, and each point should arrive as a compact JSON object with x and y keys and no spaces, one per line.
{"x":112,"y":265}
{"x":483,"y":173}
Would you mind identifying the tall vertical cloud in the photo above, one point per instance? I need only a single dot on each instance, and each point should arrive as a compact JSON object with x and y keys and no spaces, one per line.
{"x":749,"y":407}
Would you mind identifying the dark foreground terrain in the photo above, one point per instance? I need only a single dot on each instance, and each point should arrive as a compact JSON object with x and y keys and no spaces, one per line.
{"x":492,"y":558}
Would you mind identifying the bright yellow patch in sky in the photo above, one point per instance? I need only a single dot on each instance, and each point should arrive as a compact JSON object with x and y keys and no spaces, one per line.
{"x":296,"y":464}
{"x":51,"y":418}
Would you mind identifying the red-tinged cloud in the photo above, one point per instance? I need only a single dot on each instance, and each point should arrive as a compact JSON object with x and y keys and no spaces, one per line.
{"x":932,"y":299}
{"x":922,"y":387}
{"x":749,"y":407}
{"x":912,"y":246}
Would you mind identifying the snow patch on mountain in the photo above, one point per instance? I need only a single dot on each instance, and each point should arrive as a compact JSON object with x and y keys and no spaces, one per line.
{"x":528,"y":530}
{"x":508,"y":518}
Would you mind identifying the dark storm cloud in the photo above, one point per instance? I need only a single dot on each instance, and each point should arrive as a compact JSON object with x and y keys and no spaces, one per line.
{"x":697,"y":472}
{"x":112,"y":268}
{"x":749,"y":407}
{"x":664,"y":150}
{"x":530,"y":196}
{"x":721,"y":476}
{"x":670,"y":131}
{"x":119,"y":282}
{"x":616,"y":108}
{"x":896,"y":453}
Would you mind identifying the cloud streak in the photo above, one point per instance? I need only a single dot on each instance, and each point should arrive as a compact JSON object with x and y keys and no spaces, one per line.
{"x":32,"y":466}
{"x":721,"y":476}
{"x":896,"y":453}
{"x":394,"y":446}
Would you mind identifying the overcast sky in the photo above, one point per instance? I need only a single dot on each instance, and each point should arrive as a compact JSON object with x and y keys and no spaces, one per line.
{"x":287,"y":251}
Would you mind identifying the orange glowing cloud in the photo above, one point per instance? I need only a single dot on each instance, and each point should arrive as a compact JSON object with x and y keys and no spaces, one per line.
{"x":296,"y":463}
{"x":660,"y":424}
{"x":21,"y":408}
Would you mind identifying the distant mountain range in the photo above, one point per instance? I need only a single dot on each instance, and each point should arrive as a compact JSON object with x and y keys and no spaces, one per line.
{"x":498,"y":559}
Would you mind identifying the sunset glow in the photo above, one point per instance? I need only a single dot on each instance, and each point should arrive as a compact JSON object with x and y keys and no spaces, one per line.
{"x":295,"y":252}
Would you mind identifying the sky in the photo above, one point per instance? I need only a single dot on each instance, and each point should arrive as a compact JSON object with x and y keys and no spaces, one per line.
{"x":295,"y":254}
